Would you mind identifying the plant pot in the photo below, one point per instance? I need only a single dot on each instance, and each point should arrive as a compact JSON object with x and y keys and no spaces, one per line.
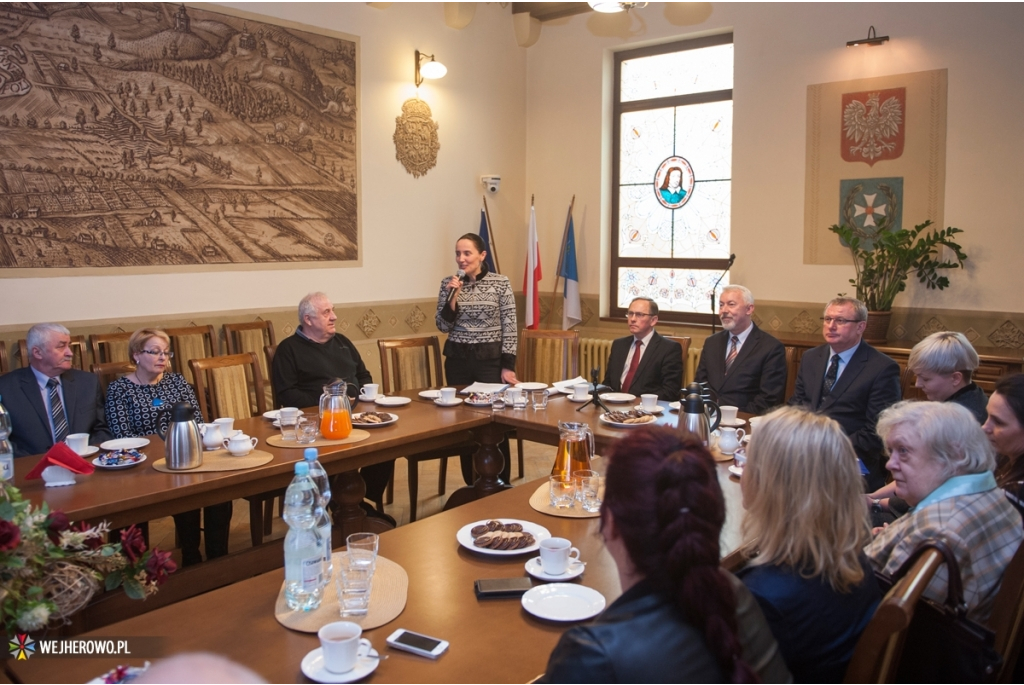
{"x":877,"y":330}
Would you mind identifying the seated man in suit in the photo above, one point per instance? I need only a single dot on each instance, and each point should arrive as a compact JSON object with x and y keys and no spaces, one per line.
{"x":645,"y":362}
{"x":49,"y":400}
{"x":313,"y":357}
{"x":744,"y":366}
{"x":850,"y":381}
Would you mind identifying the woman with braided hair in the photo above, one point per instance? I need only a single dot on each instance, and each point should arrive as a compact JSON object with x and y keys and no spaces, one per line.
{"x":681,"y":618}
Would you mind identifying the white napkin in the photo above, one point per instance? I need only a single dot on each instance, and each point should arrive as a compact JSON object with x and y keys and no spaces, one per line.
{"x":484,"y":388}
{"x":567,"y":385}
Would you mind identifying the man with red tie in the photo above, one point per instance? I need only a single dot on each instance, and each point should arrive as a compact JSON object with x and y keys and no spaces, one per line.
{"x":645,"y":362}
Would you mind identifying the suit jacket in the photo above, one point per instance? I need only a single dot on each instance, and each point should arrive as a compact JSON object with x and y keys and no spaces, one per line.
{"x":660,"y":371}
{"x":30,"y":422}
{"x":869,"y":384}
{"x":756,"y":380}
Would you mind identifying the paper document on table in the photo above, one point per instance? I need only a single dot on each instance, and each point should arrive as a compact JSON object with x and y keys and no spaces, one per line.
{"x":567,"y":385}
{"x":484,"y":388}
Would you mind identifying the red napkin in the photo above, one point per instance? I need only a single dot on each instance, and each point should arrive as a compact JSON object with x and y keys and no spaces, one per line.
{"x":61,"y":455}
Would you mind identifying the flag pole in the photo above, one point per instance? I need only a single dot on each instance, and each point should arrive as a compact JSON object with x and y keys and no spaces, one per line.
{"x":490,"y":233}
{"x":561,"y":255}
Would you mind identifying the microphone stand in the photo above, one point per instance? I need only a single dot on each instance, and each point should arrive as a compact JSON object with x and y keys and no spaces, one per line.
{"x":594,"y":396}
{"x":732,"y":258}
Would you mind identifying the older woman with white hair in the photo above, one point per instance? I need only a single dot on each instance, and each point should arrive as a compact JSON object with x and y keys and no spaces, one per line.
{"x":942,"y":464}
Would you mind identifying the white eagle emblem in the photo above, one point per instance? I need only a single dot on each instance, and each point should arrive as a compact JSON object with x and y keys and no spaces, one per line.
{"x":868,"y":125}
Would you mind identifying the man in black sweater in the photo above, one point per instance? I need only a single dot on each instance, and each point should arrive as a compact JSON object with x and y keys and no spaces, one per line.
{"x":316,"y":355}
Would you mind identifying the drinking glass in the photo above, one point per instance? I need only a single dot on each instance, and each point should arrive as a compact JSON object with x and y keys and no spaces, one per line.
{"x":305,"y":431}
{"x":497,"y":401}
{"x":519,"y":401}
{"x":588,"y":489}
{"x":563,"y":492}
{"x":353,"y":581}
{"x":540,"y":399}
{"x":288,"y":425}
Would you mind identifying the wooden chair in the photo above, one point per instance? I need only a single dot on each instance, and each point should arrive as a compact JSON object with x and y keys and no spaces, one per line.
{"x":253,"y":336}
{"x":792,"y":368}
{"x":109,"y":347}
{"x":269,"y":351}
{"x":77,"y":346}
{"x":1007,"y":620}
{"x":415,"y":363}
{"x":188,"y":343}
{"x":684,"y":342}
{"x":227,"y":386}
{"x":5,"y":363}
{"x":109,"y":372}
{"x":876,"y":657}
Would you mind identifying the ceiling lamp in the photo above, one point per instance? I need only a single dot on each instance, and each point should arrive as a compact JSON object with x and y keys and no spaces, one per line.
{"x":432,"y":69}
{"x":872,"y":39}
{"x":610,"y":7}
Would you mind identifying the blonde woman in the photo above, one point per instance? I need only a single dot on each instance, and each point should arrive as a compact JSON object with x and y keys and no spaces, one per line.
{"x":804,"y":531}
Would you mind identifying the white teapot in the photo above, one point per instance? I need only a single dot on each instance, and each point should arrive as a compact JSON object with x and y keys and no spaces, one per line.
{"x":729,"y":440}
{"x":240,"y":444}
{"x":212,"y":437}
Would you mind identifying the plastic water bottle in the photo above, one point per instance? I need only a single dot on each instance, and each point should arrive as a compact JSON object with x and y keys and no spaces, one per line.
{"x":6,"y":453}
{"x":323,"y":524}
{"x":303,"y":550}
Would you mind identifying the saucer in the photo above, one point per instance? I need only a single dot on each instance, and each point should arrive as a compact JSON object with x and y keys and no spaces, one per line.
{"x":392,"y":401}
{"x":313,"y":668}
{"x":367,"y":398}
{"x":89,"y":451}
{"x":430,"y":394}
{"x":575,"y":569}
{"x":657,"y":410}
{"x":124,"y":444}
{"x":736,"y":470}
{"x":454,"y":403}
{"x":573,"y":398}
{"x":675,"y":406}
{"x":733,"y":424}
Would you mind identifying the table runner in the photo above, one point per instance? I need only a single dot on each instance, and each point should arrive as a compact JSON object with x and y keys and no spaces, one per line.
{"x":221,"y":460}
{"x":357,"y":435}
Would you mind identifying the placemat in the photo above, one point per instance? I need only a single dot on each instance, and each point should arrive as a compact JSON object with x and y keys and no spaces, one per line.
{"x":221,"y":460}
{"x":357,"y":435}
{"x":541,"y":501}
{"x":387,"y":600}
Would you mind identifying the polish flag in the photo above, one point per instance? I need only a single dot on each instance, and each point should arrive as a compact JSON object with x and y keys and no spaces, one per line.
{"x":532,"y":276}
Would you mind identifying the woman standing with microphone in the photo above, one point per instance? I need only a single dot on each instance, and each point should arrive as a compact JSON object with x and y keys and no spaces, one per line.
{"x":478,"y":312}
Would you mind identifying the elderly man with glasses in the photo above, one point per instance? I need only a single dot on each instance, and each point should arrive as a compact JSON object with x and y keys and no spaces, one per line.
{"x":645,"y":362}
{"x":850,"y":381}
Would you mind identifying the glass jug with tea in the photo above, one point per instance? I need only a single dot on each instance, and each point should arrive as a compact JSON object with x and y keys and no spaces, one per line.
{"x":575,"y":448}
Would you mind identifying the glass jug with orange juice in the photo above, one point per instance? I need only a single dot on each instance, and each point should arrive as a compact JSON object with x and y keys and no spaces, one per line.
{"x":575,"y":448}
{"x":335,"y":411}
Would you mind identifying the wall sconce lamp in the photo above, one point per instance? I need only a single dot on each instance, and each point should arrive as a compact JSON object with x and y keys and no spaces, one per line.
{"x":610,"y":7}
{"x":432,"y":69}
{"x":872,"y":39}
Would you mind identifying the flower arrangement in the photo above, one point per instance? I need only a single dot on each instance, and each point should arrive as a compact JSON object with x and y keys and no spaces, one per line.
{"x":50,"y":569}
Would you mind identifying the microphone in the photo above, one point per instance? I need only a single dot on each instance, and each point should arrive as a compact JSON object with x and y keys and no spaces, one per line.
{"x":462,"y":277}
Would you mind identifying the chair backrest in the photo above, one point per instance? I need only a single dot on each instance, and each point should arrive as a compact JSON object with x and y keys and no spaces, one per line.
{"x":1007,"y":620}
{"x":77,"y":346}
{"x":109,"y":372}
{"x":5,"y":363}
{"x":252,"y":336}
{"x":792,"y":369}
{"x":188,"y":343}
{"x":410,"y":363}
{"x":109,"y":347}
{"x":269,"y":351}
{"x":548,"y":356}
{"x":877,"y":655}
{"x":229,"y":386}
{"x":684,"y":342}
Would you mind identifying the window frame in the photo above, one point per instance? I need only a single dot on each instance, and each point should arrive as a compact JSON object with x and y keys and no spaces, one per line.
{"x":618,"y":109}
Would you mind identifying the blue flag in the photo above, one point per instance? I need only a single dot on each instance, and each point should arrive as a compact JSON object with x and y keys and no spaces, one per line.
{"x":571,"y":310}
{"x":485,"y":236}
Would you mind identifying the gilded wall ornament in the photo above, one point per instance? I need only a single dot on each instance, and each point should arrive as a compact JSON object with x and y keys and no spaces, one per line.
{"x":416,"y":142}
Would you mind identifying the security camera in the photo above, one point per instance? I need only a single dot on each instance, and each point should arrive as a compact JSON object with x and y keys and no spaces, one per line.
{"x":492,"y":183}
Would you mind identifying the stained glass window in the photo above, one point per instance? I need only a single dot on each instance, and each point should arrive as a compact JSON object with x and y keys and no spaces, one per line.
{"x":672,"y":175}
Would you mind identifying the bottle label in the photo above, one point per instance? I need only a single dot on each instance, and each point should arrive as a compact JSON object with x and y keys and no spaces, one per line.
{"x":6,"y":467}
{"x":312,"y":573}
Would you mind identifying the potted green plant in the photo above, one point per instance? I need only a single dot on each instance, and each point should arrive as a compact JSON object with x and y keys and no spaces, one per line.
{"x":884,"y":259}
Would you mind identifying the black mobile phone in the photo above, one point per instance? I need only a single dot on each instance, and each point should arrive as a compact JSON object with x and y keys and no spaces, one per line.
{"x":487,"y":588}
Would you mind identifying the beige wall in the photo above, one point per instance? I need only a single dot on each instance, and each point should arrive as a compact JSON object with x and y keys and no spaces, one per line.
{"x":780,"y":50}
{"x":409,"y":226}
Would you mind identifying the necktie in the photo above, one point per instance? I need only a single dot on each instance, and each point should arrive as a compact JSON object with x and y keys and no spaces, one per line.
{"x":635,"y":362}
{"x":733,"y":351}
{"x":830,"y":376}
{"x":60,"y":421}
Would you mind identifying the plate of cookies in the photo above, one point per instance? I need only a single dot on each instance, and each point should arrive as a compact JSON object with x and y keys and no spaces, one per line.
{"x":502,"y":537}
{"x":630,"y":418}
{"x":373,"y":419}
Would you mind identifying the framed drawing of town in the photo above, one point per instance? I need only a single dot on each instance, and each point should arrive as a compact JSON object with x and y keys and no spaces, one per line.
{"x":157,"y":136}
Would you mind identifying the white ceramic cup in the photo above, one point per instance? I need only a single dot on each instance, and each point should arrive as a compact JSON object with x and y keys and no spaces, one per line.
{"x":240,"y":444}
{"x":78,"y":442}
{"x":342,"y":645}
{"x":581,"y":391}
{"x":555,"y":554}
{"x":369,"y":391}
{"x":729,"y":440}
{"x":741,"y":458}
{"x":289,"y":414}
{"x":729,"y":414}
{"x":753,"y":421}
{"x":649,"y":402}
{"x":226,"y":426}
{"x":447,"y":395}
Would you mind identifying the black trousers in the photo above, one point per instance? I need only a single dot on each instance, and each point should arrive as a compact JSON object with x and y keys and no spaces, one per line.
{"x":217,"y":519}
{"x":466,"y":372}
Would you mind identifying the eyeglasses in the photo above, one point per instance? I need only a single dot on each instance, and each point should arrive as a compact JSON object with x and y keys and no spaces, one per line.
{"x":637,"y":315}
{"x":828,"y":320}
{"x":158,"y":353}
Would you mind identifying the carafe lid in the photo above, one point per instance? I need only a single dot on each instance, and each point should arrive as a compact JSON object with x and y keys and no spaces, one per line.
{"x":182,"y":411}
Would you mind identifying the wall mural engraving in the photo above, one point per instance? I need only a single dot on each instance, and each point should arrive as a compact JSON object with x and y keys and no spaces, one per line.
{"x":138,"y":135}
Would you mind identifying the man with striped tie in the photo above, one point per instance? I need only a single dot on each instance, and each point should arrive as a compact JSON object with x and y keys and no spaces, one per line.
{"x":49,"y":400}
{"x":744,"y":366}
{"x":850,"y":381}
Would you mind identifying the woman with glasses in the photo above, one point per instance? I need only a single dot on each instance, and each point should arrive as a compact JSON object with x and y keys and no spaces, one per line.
{"x":131,"y":413}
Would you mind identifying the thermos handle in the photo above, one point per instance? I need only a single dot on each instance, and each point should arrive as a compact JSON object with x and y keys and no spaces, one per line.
{"x":717,"y":414}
